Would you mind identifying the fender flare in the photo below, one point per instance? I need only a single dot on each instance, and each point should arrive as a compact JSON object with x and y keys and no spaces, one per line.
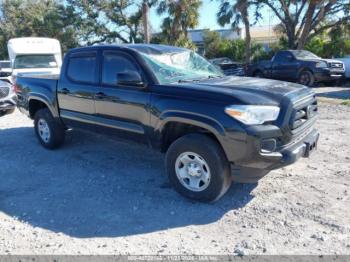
{"x":194,"y":119}
{"x":45,"y":100}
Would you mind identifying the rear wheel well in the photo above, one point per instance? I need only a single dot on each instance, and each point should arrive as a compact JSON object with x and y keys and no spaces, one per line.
{"x":34,"y":106}
{"x":174,"y":130}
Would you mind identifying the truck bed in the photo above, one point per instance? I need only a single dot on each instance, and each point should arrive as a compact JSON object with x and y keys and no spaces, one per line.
{"x":43,"y":84}
{"x":40,"y":76}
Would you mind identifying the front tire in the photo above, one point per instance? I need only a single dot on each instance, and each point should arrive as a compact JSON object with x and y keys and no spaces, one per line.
{"x":49,"y":131}
{"x":198,"y":168}
{"x":306,"y":78}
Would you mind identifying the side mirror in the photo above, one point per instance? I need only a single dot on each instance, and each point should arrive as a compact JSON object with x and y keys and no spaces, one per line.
{"x":130,"y":78}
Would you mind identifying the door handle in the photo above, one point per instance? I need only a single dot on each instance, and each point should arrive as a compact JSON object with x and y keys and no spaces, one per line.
{"x":100,"y":95}
{"x":65,"y":91}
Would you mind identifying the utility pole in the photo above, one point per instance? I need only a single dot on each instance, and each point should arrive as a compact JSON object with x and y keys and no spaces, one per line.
{"x":145,"y":11}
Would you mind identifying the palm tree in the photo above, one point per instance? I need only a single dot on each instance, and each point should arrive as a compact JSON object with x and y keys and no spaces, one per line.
{"x":182,"y":15}
{"x":235,"y":12}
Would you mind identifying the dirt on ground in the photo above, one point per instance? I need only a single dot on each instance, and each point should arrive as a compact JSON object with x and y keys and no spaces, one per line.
{"x":98,"y":195}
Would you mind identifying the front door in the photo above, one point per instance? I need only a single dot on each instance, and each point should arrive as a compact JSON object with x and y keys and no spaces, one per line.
{"x":284,"y":66}
{"x":120,"y":107}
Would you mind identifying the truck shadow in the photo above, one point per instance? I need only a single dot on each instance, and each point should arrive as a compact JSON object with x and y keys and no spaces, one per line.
{"x":97,"y":187}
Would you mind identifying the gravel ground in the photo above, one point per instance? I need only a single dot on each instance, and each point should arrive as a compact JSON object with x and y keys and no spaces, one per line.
{"x":103,"y":196}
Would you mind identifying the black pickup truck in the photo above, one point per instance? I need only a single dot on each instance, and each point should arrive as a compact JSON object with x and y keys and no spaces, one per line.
{"x":212,"y":127}
{"x":299,"y":66}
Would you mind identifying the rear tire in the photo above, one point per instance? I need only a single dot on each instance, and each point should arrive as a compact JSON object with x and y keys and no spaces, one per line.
{"x":306,"y":78}
{"x":49,"y":131}
{"x":208,"y":160}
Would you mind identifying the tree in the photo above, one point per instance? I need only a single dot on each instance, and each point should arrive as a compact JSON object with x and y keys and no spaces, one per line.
{"x":235,"y":12}
{"x":212,"y":44}
{"x":182,"y":15}
{"x":111,"y":20}
{"x":301,"y":20}
{"x":47,"y":18}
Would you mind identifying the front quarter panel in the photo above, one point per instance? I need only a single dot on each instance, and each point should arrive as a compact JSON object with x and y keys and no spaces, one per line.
{"x":207,"y":114}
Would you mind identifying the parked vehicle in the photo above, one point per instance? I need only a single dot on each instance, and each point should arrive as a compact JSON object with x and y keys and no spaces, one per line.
{"x":212,"y":127}
{"x":5,"y":71}
{"x":346,"y":61}
{"x":7,"y":99}
{"x":301,"y":66}
{"x":229,"y":67}
{"x":34,"y":55}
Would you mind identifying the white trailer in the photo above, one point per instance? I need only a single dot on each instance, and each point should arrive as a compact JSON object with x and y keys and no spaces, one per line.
{"x":34,"y":55}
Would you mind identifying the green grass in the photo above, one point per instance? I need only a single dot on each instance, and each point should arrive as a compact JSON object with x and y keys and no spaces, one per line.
{"x":346,"y":102}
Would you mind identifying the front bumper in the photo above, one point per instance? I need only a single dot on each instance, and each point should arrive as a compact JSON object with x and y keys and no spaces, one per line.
{"x":328,"y":75}
{"x":255,"y":162}
{"x":8,"y":103}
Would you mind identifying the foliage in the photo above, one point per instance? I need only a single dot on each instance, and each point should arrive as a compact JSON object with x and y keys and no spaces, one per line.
{"x":235,"y":12}
{"x":301,"y":20}
{"x":110,"y":20}
{"x":215,"y":46}
{"x":45,"y":18}
{"x":345,"y":103}
{"x":181,"y":15}
{"x":212,"y":43}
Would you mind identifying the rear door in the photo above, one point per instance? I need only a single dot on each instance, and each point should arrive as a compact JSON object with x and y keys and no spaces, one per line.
{"x":121,"y":108}
{"x":77,"y":88}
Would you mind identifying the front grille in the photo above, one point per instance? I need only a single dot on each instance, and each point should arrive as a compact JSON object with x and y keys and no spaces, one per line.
{"x":335,"y":65}
{"x":4,"y":91}
{"x":4,"y":74}
{"x":303,"y":113}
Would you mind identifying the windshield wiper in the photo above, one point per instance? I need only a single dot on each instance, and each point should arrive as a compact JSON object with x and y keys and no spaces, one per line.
{"x":199,"y":79}
{"x":215,"y":76}
{"x":189,"y":80}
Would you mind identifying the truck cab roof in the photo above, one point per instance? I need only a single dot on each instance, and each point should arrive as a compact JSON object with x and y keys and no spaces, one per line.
{"x":154,"y":49}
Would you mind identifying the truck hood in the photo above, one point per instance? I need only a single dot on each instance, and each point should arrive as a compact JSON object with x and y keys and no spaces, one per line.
{"x":321,"y":60}
{"x":250,"y":90}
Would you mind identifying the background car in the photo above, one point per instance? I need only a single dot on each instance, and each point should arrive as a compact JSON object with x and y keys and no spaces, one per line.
{"x":8,"y":99}
{"x":229,"y":67}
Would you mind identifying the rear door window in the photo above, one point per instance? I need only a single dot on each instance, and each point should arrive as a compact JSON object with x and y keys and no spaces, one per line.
{"x":82,"y":68}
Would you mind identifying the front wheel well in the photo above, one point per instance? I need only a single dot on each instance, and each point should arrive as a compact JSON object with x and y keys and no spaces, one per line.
{"x":34,"y":106}
{"x":174,"y":130}
{"x":303,"y":69}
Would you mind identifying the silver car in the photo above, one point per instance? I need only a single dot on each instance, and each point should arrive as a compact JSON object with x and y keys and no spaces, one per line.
{"x":8,"y":99}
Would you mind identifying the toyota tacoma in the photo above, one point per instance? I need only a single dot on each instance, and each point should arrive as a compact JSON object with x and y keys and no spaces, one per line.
{"x":213,"y":128}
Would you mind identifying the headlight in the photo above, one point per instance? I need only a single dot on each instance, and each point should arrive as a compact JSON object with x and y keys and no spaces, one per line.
{"x":321,"y":65}
{"x":253,"y":115}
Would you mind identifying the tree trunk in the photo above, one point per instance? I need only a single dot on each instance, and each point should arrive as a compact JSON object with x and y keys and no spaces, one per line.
{"x":308,"y":22}
{"x":145,"y":9}
{"x":243,"y":8}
